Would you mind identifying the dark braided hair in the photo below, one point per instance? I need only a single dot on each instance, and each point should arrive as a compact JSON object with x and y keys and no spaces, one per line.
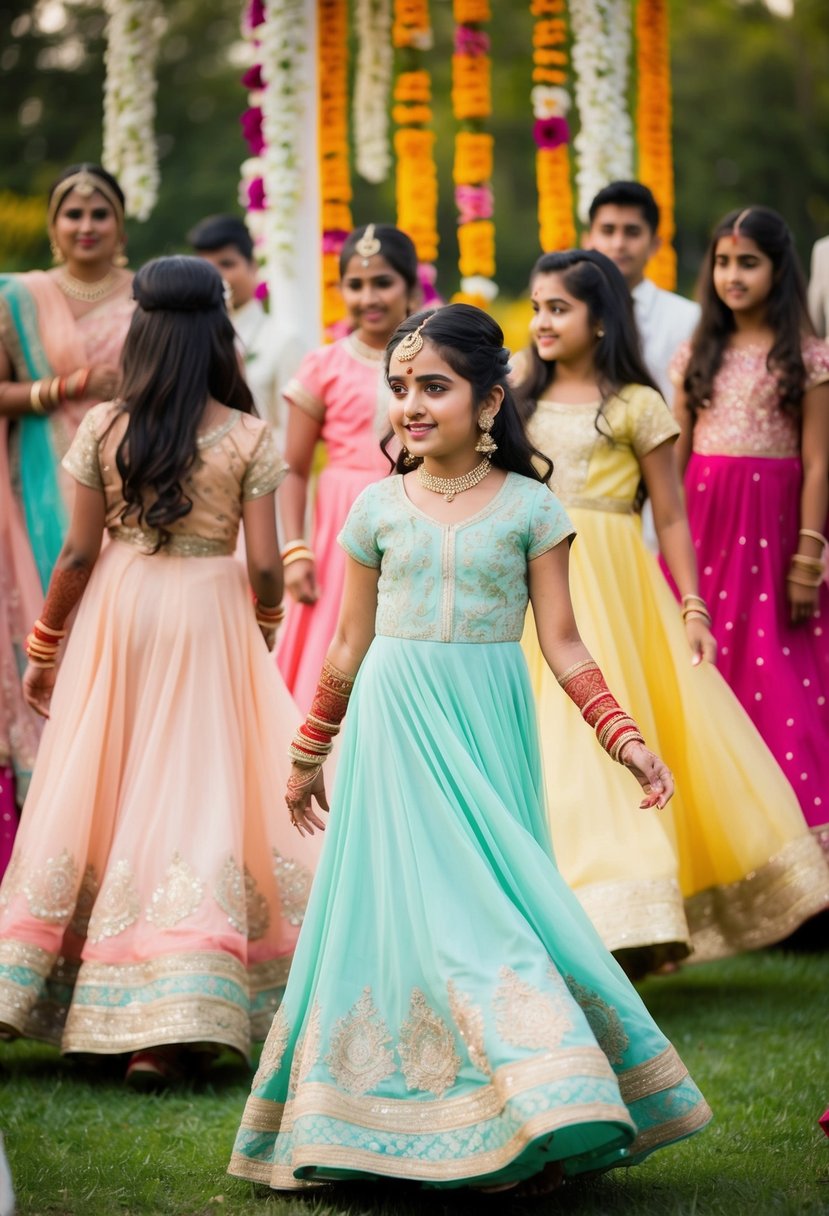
{"x":473,"y":345}
{"x":787,"y":313}
{"x":179,"y":351}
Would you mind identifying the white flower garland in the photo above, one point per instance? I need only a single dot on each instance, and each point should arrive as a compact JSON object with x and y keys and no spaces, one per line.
{"x":601,"y":54}
{"x":372,"y":89}
{"x":130,"y":151}
{"x":284,"y":47}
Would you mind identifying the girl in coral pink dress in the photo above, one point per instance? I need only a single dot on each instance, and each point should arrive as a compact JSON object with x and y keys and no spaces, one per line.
{"x":155,"y":894}
{"x":753,"y":403}
{"x":339,"y":397}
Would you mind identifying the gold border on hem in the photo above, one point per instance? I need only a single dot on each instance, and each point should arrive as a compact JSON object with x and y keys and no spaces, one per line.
{"x":630,"y":915}
{"x":409,"y":1117}
{"x":675,"y":1129}
{"x":763,"y":907}
{"x":652,"y":1076}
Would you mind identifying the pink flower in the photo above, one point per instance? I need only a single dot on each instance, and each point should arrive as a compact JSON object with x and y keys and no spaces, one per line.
{"x":473,"y":203}
{"x":427,"y":276}
{"x":256,"y":13}
{"x":261,"y":292}
{"x":251,"y":122}
{"x":551,"y":132}
{"x":333,"y":240}
{"x":471,"y":42}
{"x":252,"y":78}
{"x":256,"y":194}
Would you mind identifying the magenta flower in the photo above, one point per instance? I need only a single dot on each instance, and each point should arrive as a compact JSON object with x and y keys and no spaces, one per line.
{"x":256,"y":13}
{"x":251,"y":122}
{"x":261,"y":292}
{"x":551,"y":132}
{"x":427,"y":277}
{"x":471,"y":42}
{"x":473,"y":203}
{"x":252,"y":78}
{"x":333,"y":240}
{"x":256,"y":195}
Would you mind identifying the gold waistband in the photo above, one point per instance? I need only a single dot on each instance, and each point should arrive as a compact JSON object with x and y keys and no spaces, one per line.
{"x":177,"y":546}
{"x":619,"y":506}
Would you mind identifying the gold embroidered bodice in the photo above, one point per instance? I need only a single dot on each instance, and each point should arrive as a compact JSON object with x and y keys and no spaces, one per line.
{"x":599,"y":468}
{"x":464,"y":582}
{"x":237,"y":461}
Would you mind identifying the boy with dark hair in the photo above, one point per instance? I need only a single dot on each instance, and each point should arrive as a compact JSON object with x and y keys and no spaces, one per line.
{"x":269,"y":363}
{"x":624,"y":225}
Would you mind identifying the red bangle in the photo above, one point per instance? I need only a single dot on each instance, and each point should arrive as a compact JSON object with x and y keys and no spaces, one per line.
{"x":83,"y":380}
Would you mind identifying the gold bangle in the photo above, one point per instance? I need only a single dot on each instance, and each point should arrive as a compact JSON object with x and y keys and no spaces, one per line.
{"x":814,"y":535}
{"x":34,"y":397}
{"x":299,"y":555}
{"x":803,"y":582}
{"x":697,"y":599}
{"x":54,"y":390}
{"x":299,"y":543}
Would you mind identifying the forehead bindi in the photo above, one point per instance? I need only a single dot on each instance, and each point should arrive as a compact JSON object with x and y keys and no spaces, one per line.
{"x":549,"y":287}
{"x":378,"y":268}
{"x":732,"y":246}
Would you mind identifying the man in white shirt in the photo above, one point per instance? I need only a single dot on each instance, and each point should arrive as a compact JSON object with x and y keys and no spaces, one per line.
{"x":624,"y":225}
{"x":819,"y":287}
{"x":269,"y":363}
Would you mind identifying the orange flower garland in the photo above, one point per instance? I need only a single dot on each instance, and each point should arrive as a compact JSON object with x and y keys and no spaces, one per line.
{"x":653,"y":129}
{"x":416,"y":179}
{"x":557,"y":229}
{"x":472,"y":105}
{"x":335,"y":179}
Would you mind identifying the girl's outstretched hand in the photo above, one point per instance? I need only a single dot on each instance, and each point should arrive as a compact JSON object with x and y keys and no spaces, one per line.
{"x":301,"y":582}
{"x":38,"y":684}
{"x":653,"y":774}
{"x":303,"y":784}
{"x":701,"y":640}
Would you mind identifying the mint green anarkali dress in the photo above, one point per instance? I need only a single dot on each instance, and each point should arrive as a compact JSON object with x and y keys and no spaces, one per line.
{"x":451,"y":1015}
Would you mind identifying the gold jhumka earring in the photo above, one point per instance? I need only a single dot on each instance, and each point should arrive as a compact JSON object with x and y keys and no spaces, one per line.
{"x":368,"y":245}
{"x":120,"y":259}
{"x":57,"y":257}
{"x":486,"y":445}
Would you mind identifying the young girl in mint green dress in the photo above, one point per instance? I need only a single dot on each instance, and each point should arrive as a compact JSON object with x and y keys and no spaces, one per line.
{"x":451,"y":1016}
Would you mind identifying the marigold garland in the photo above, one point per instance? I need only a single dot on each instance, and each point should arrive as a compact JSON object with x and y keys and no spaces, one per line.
{"x":335,"y":178}
{"x":472,"y":173}
{"x":653,"y":129}
{"x":416,"y":179}
{"x":551,"y":131}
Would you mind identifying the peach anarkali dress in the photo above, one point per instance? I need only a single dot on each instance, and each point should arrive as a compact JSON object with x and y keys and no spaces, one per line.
{"x":41,"y":338}
{"x":156,"y":889}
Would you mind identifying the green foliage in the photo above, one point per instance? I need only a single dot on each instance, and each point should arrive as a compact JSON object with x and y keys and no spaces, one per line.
{"x":751,"y":121}
{"x":751,"y":1031}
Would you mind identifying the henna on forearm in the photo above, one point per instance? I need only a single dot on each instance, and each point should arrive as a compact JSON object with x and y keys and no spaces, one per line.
{"x":66,"y":587}
{"x":587,"y":688}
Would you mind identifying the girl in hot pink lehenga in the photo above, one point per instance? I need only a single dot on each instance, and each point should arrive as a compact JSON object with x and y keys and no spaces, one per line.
{"x":753,"y":402}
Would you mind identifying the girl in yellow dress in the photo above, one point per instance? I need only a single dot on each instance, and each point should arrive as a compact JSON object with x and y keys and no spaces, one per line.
{"x":730,"y":866}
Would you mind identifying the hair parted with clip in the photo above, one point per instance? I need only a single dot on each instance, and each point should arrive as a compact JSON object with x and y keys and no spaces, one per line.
{"x":368,"y":245}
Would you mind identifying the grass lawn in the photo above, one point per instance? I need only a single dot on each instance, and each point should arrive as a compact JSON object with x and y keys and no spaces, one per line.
{"x":753,"y":1032}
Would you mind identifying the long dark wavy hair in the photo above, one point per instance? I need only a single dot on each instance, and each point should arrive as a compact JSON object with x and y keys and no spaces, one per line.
{"x":787,"y":313}
{"x":617,"y":358}
{"x":473,"y":345}
{"x":179,"y":352}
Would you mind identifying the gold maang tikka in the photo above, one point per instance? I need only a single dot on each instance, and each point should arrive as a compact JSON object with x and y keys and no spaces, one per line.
{"x":368,"y":245}
{"x":409,"y":346}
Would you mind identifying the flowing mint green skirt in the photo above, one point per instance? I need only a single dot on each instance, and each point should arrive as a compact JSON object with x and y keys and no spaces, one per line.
{"x":451,"y":1016}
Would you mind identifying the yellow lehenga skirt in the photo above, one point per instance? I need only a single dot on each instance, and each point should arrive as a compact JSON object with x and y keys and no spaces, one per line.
{"x":729,"y":865}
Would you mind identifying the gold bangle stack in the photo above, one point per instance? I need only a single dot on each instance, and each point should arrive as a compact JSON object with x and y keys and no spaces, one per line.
{"x":34,"y":397}
{"x":694,"y":607}
{"x":806,"y":571}
{"x":818,"y":536}
{"x":296,"y":551}
{"x":268,"y":618}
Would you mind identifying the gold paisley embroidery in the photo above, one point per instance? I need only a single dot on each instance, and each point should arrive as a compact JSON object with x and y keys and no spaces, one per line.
{"x":51,"y":890}
{"x":270,"y":1060}
{"x":239,"y":898}
{"x":603,"y":1020}
{"x":178,"y":897}
{"x":427,"y":1049}
{"x":469,"y":1020}
{"x":11,"y":880}
{"x":307,"y":1050}
{"x":294,"y":882}
{"x":118,"y":905}
{"x":359,"y":1058}
{"x":527,"y":1017}
{"x":85,"y":902}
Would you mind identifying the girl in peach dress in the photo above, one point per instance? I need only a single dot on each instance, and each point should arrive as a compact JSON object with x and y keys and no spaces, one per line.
{"x":61,"y":334}
{"x":154,"y":896}
{"x":338,"y":397}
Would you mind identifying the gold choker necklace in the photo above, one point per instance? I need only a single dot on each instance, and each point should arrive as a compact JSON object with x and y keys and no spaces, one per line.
{"x":88,"y":293}
{"x":450,"y":486}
